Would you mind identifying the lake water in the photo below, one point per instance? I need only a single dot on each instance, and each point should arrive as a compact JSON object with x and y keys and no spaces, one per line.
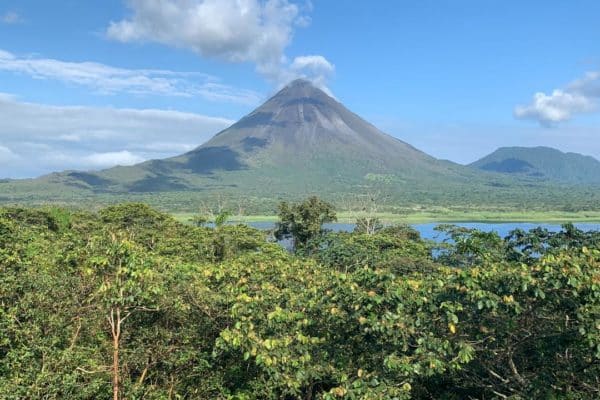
{"x":427,"y":231}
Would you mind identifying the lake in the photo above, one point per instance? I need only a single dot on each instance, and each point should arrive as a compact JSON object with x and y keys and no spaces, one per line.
{"x":427,"y":231}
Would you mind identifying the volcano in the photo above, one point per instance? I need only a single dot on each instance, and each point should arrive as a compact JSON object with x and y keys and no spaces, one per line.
{"x":299,"y":141}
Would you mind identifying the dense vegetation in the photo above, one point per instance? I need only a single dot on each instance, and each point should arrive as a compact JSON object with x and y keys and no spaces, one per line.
{"x":129,"y":303}
{"x":542,"y":162}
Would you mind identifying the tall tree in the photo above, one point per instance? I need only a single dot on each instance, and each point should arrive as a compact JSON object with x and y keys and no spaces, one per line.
{"x":303,"y":221}
{"x":127,"y":283}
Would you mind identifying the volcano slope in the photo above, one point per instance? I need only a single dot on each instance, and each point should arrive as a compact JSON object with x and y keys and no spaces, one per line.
{"x":301,"y":141}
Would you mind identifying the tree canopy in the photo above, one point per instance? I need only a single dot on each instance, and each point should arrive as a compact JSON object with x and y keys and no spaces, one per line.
{"x":128,"y":303}
{"x":303,"y":221}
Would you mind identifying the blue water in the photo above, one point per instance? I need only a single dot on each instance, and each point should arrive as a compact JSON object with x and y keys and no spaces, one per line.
{"x":427,"y":231}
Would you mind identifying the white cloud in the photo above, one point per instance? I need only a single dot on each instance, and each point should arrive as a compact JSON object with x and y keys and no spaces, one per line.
{"x":104,"y":160}
{"x":233,"y":30}
{"x":255,"y":31}
{"x":39,"y":139}
{"x":108,"y":80}
{"x":168,"y":147}
{"x":312,"y":63}
{"x":580,"y":96}
{"x":10,"y":18}
{"x":556,"y":107}
{"x":315,"y":68}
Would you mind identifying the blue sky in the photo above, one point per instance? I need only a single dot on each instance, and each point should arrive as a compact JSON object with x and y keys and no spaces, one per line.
{"x":87,"y":85}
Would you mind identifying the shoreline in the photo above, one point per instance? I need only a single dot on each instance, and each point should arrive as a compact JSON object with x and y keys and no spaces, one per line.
{"x":542,"y":217}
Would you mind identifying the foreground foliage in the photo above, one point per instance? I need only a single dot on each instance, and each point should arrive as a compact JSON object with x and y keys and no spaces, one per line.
{"x":129,"y":303}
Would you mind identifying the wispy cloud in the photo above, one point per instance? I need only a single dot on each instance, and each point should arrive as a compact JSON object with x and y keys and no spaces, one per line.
{"x":580,"y":96}
{"x":106,"y":79}
{"x":254,"y":31}
{"x":11,"y":18}
{"x":59,"y":138}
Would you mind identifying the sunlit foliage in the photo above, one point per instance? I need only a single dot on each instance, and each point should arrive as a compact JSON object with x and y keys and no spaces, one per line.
{"x":130,"y":304}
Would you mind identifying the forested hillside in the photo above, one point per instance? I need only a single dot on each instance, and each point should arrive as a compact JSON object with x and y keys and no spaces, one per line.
{"x":128,"y":303}
{"x":543,"y":163}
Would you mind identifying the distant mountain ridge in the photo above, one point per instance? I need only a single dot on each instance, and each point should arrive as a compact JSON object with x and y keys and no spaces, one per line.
{"x":542,"y":163}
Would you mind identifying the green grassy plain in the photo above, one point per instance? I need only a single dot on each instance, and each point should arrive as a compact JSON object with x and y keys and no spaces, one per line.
{"x":440,"y":216}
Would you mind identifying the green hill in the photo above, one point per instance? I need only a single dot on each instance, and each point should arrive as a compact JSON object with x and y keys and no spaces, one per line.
{"x":544,"y":163}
